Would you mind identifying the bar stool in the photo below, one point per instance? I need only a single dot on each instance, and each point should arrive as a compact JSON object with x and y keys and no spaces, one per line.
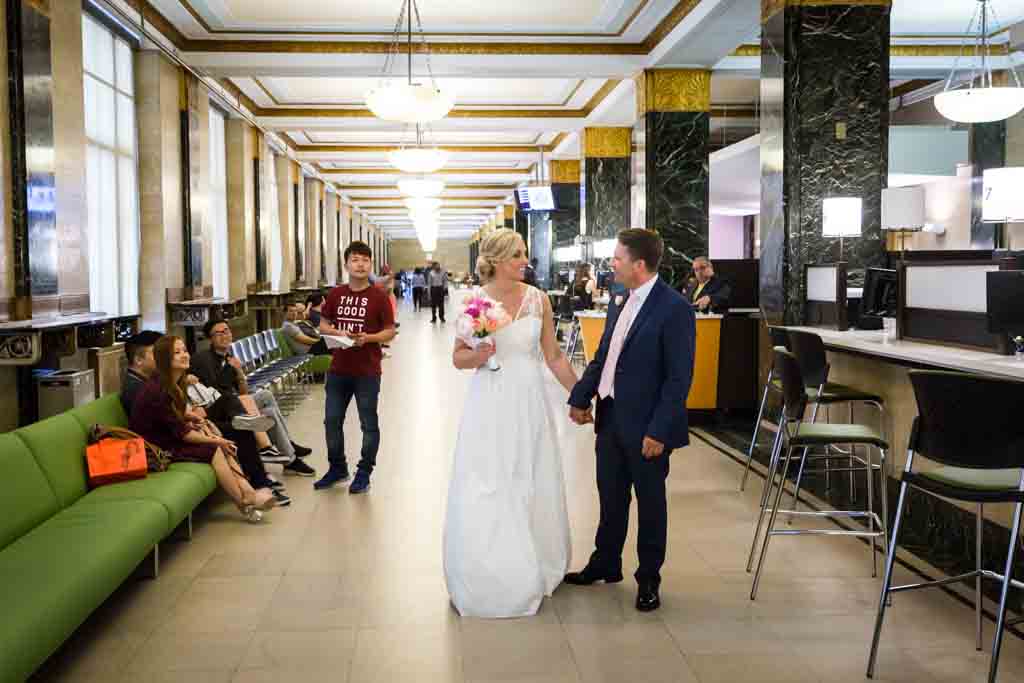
{"x":803,"y":435}
{"x":772,"y":385}
{"x":970,"y":425}
{"x":810,"y":354}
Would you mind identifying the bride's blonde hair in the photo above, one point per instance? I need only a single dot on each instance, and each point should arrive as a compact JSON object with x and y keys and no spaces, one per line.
{"x":497,"y":247}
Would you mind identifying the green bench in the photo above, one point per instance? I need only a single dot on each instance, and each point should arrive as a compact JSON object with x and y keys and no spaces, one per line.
{"x":63,"y":548}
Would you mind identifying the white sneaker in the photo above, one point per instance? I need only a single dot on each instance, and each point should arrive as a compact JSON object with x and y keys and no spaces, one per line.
{"x":252,"y":423}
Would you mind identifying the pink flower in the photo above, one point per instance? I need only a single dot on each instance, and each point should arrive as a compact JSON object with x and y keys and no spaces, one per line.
{"x":473,"y":312}
{"x":486,"y":304}
{"x":478,"y":325}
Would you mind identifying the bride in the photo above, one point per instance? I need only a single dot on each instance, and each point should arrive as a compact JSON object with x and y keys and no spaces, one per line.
{"x":506,"y":540}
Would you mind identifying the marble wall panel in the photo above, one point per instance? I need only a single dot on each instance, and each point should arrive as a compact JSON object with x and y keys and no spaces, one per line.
{"x":540,"y":238}
{"x":606,"y":190}
{"x":988,"y":150}
{"x":824,"y":127}
{"x":241,"y":207}
{"x":285,"y":218}
{"x":565,"y":222}
{"x":312,"y":192}
{"x":676,"y":187}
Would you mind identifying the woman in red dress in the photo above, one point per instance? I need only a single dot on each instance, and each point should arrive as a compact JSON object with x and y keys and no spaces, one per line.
{"x":161,"y":415}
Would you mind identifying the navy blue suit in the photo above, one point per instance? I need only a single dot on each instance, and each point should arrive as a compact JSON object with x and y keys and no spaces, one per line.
{"x":652,"y":381}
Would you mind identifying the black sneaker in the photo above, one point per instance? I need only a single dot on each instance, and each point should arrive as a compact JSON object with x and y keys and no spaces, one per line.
{"x":333,"y":476}
{"x":272,"y":455}
{"x":301,"y":451}
{"x":282,"y":498}
{"x":299,"y":468}
{"x":361,"y":483}
{"x":275,"y":485}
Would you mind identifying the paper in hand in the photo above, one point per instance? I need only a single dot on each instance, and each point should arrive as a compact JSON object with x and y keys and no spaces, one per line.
{"x":338,"y":342}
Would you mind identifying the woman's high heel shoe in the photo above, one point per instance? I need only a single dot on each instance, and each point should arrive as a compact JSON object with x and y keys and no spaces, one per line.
{"x":262,"y":499}
{"x":251,"y":514}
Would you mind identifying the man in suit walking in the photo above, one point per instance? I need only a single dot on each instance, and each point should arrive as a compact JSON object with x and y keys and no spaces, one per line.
{"x":641,"y":376}
{"x":709,"y":293}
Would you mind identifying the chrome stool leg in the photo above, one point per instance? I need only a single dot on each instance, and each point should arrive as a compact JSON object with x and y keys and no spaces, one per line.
{"x":757,"y":429}
{"x":887,"y":580}
{"x":803,"y":462}
{"x":771,"y":523}
{"x":997,"y":641}
{"x":769,"y":483}
{"x":978,"y":528}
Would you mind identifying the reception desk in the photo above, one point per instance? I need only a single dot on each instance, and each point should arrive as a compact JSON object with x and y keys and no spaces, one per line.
{"x":704,"y":389}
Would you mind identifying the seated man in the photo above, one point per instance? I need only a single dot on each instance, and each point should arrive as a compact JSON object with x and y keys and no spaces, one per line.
{"x":710,"y":294}
{"x":141,"y":366}
{"x":303,"y":337}
{"x":217,"y":369}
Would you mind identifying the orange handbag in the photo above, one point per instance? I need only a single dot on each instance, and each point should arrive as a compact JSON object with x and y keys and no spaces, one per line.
{"x":113,"y":460}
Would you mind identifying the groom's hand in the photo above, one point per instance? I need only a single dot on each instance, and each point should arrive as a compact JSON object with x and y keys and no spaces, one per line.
{"x":652,"y":448}
{"x":581,"y":416}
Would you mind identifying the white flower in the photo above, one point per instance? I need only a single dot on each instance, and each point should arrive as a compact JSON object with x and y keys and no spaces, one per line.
{"x":618,"y":300}
{"x":464,"y":327}
{"x":494,"y":313}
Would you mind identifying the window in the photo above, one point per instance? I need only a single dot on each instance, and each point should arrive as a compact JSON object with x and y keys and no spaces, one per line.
{"x":111,"y":186}
{"x":217,"y":206}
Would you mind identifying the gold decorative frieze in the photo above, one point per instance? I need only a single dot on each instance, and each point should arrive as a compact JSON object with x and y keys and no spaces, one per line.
{"x":565,"y":171}
{"x":607,"y":142}
{"x":673,"y":90}
{"x":770,"y":8}
{"x":746,"y":51}
{"x":510,"y":210}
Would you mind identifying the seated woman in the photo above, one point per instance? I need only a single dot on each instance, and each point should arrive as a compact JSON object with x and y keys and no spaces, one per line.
{"x":161,"y":414}
{"x":583,"y":287}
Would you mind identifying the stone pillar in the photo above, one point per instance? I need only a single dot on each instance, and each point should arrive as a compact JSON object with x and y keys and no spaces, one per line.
{"x":161,"y":220}
{"x":606,"y":185}
{"x":69,"y":156}
{"x":241,"y":150}
{"x":541,"y":245}
{"x":286,"y":218}
{"x":346,"y":239}
{"x":312,"y":189}
{"x":674,"y":121}
{"x":331,"y":238}
{"x":565,"y":186}
{"x":824,"y":133}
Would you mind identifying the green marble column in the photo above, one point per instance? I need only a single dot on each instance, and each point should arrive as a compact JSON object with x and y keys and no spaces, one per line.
{"x":606,"y":183}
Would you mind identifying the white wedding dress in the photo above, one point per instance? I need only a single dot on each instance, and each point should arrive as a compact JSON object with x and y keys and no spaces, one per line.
{"x":506,"y":538}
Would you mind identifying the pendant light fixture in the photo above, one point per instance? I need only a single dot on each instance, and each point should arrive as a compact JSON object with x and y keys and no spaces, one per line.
{"x":418,"y":159}
{"x":978,"y":99}
{"x":408,"y":102}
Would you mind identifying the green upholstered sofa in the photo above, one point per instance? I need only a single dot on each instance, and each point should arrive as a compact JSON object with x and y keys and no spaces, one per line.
{"x":63,"y":548}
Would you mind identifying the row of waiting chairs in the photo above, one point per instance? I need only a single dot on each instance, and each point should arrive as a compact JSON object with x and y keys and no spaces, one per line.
{"x":268,"y":365}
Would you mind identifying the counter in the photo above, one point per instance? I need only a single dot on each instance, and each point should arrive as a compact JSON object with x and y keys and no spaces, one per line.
{"x":704,"y":389}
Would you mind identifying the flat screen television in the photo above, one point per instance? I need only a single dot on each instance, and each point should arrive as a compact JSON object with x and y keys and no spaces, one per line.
{"x":535,"y":198}
{"x":1005,"y":301}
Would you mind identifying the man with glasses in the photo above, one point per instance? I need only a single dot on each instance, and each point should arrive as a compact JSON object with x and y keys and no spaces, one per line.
{"x":709,"y":294}
{"x":219,"y":369}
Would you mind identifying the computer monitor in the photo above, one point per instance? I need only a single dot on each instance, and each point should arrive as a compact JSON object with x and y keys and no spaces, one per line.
{"x":880,"y":298}
{"x":1005,"y":301}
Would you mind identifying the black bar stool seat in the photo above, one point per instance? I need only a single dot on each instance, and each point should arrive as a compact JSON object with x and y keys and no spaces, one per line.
{"x":840,"y":393}
{"x":976,"y":486}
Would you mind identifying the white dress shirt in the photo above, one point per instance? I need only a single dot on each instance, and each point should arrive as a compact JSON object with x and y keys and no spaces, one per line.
{"x":623,"y":323}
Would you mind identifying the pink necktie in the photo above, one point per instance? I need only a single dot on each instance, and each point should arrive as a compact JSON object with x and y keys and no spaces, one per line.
{"x":607,"y":386}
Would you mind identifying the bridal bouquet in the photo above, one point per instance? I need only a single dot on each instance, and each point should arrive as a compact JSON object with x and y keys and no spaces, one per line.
{"x":481,"y":319}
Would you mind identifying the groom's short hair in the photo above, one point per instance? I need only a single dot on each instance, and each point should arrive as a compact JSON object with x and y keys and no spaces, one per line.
{"x":645,"y":245}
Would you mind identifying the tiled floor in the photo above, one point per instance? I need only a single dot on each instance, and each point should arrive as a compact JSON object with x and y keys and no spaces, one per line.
{"x":340,"y":588}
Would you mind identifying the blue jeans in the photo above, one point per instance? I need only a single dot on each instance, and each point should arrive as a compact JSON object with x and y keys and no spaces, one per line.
{"x":340,"y":390}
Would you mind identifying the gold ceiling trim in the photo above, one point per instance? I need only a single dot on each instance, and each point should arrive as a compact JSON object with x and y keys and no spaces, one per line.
{"x":903,"y":50}
{"x":668,"y":24}
{"x":565,"y":171}
{"x":673,"y":90}
{"x":278,"y":103}
{"x":201,"y":20}
{"x":606,"y":143}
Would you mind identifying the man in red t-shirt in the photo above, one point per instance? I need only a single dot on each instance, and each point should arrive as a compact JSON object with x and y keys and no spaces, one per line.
{"x":362,"y":313}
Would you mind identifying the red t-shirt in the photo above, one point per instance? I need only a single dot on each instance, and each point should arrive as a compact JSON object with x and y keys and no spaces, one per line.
{"x":367,"y":310}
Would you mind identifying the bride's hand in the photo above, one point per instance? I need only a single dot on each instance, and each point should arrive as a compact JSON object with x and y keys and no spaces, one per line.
{"x":484,"y":352}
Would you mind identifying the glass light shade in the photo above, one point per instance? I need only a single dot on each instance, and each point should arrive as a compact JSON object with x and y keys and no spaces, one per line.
{"x":1003,"y":195}
{"x":420,"y":187}
{"x":980,"y":105}
{"x":418,"y":159}
{"x":423,"y":204}
{"x":841,"y":217}
{"x":903,"y":208}
{"x":409,"y":102}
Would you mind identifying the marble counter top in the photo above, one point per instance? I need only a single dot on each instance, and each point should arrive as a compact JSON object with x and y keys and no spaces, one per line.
{"x":871,"y":342}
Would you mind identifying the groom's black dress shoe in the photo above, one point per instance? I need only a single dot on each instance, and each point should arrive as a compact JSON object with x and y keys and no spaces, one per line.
{"x":647,"y":599}
{"x":590,"y":575}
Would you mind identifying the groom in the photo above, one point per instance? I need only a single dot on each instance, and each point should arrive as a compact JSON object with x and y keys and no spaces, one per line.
{"x":641,"y":377}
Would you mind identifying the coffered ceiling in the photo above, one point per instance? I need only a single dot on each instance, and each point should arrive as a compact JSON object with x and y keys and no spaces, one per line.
{"x":527,"y":76}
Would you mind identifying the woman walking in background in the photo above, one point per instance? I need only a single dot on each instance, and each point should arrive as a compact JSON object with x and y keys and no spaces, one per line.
{"x":419,"y":284}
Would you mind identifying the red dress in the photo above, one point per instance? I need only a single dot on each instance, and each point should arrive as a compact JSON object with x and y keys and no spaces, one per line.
{"x":153,"y":418}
